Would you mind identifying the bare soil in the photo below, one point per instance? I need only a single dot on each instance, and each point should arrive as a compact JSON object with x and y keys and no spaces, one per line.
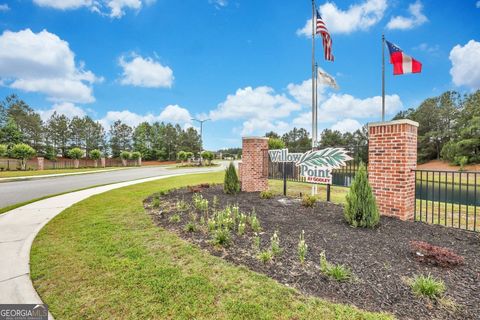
{"x":380,"y":259}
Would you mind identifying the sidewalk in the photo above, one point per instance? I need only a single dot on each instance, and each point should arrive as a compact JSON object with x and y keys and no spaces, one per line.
{"x":18,"y":229}
{"x":10,"y":179}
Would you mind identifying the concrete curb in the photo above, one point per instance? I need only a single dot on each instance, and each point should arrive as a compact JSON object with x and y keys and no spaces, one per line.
{"x":18,"y":229}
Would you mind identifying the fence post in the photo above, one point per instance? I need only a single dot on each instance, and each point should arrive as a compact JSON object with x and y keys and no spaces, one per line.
{"x":253,"y":170}
{"x":40,"y":163}
{"x":284,"y":180}
{"x":392,"y":157}
{"x":102,"y":162}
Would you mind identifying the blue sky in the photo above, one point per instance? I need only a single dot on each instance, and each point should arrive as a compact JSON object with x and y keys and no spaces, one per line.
{"x":246,"y":64}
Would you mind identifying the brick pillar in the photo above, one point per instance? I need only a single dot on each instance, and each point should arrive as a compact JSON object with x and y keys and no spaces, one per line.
{"x":139,"y":162}
{"x":103,"y":162}
{"x":392,"y":155}
{"x":40,"y":163}
{"x":254,"y":175}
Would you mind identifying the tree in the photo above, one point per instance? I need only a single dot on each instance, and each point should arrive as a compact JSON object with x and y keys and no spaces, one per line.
{"x":95,"y":155}
{"x":136,"y":156}
{"x":142,"y":140}
{"x":272,"y":134}
{"x":125,"y":155}
{"x":275,"y":143}
{"x":208,"y":156}
{"x":3,"y":150}
{"x":9,"y":134}
{"x":23,"y":152}
{"x":231,"y":184}
{"x":189,"y":139}
{"x":182,"y":156}
{"x":331,"y":138}
{"x":94,"y":135}
{"x":75,"y":153}
{"x":120,"y":138}
{"x":57,"y":129}
{"x":361,"y":208}
{"x":297,"y":140}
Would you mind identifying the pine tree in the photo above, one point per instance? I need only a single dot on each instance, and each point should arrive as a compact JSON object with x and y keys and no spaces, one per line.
{"x":231,"y":185}
{"x":361,"y":209}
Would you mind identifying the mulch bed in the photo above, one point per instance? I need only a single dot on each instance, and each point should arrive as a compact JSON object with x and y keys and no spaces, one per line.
{"x":380,"y":258}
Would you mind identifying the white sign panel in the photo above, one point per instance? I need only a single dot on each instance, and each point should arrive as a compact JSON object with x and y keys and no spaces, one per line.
{"x":315,"y":165}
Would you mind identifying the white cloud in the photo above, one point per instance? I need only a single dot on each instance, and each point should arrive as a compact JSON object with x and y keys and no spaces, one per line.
{"x":111,"y":8}
{"x":346,"y":105}
{"x":416,"y":18}
{"x":4,"y":7}
{"x":425,"y":47}
{"x":66,"y":108}
{"x":42,"y":62}
{"x":261,"y":126}
{"x":358,"y":17}
{"x":347,"y":125}
{"x":145,"y":72}
{"x":218,"y":3}
{"x":303,"y":92}
{"x":172,"y":114}
{"x":465,"y":69}
{"x":477,"y":4}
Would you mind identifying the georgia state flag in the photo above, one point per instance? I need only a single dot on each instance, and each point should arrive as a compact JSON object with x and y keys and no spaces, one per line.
{"x":401,"y":62}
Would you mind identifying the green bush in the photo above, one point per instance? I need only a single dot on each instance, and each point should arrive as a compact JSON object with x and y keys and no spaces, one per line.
{"x":75,"y":153}
{"x":361,"y":208}
{"x":266,"y":194}
{"x":136,"y":156}
{"x":3,"y":150}
{"x":274,"y":143}
{"x":265,"y":256}
{"x":125,"y":155}
{"x":23,"y":152}
{"x":182,"y":156}
{"x":189,"y":155}
{"x":208,"y":156}
{"x":427,"y":286}
{"x":450,"y":150}
{"x":336,"y":272}
{"x":309,"y":201}
{"x":231,"y":184}
{"x":95,"y":154}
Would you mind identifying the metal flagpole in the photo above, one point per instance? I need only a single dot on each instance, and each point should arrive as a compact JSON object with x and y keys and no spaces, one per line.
{"x":313,"y":76}
{"x":383,"y":77}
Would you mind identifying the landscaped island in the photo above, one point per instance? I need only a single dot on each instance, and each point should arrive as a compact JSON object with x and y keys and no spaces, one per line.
{"x":413,"y":270}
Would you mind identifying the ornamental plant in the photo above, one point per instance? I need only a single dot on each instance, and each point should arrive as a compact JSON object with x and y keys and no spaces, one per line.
{"x":75,"y":153}
{"x":275,"y":244}
{"x":125,"y":155}
{"x":427,"y":286}
{"x":302,"y":248}
{"x":275,"y":143}
{"x":136,"y":156}
{"x":23,"y":152}
{"x":95,"y":155}
{"x":182,"y":156}
{"x":231,"y":184}
{"x":3,"y":150}
{"x":208,"y":156}
{"x":338,"y":272}
{"x":361,"y":208}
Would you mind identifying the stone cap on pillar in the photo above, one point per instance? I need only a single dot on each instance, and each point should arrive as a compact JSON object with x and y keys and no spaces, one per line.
{"x":386,"y":123}
{"x":255,"y":138}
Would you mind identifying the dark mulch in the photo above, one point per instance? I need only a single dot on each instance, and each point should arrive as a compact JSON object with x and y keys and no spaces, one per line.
{"x":380,"y":258}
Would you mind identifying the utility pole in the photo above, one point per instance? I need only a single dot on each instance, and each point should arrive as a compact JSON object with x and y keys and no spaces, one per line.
{"x":201,"y":135}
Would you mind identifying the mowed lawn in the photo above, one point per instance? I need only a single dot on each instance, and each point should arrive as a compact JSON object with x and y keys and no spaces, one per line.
{"x":32,"y":173}
{"x":103,"y":258}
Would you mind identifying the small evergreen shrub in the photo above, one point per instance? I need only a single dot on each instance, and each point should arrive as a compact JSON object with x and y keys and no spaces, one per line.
{"x":231,"y":185}
{"x":361,"y":208}
{"x":221,"y":237}
{"x":23,"y":152}
{"x":125,"y":155}
{"x":428,"y":286}
{"x":266,"y":194}
{"x":309,"y":201}
{"x":95,"y":154}
{"x":75,"y":153}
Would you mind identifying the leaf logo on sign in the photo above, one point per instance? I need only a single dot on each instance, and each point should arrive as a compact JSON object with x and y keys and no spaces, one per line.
{"x":326,"y":158}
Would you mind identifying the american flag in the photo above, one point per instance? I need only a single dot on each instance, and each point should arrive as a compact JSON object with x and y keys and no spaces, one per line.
{"x":326,"y":39}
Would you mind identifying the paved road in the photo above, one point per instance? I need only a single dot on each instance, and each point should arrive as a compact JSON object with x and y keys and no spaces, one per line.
{"x":20,"y":191}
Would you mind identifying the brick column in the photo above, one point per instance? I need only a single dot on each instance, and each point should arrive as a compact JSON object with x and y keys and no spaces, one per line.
{"x":40,"y":163}
{"x":253,"y":174}
{"x":103,"y":162}
{"x":392,"y":155}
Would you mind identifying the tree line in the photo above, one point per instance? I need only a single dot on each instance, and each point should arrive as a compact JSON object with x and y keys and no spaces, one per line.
{"x":53,"y":138}
{"x":449,"y":127}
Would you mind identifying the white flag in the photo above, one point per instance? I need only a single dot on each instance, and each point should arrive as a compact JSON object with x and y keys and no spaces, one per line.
{"x":327,"y":79}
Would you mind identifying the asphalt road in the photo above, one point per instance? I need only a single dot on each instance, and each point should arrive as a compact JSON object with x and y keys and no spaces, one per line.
{"x":20,"y":191}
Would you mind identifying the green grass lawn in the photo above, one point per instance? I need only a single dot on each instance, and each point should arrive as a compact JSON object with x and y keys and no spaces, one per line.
{"x":32,"y":173}
{"x":103,"y":258}
{"x":337,"y":194}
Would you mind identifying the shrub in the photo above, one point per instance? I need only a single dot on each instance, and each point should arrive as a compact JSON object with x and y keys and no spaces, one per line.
{"x":309,"y":201}
{"x":135,"y":155}
{"x":221,"y":237}
{"x":95,"y":154}
{"x":338,"y":272}
{"x":182,"y":205}
{"x":3,"y":150}
{"x":275,"y":143}
{"x":241,"y":228}
{"x":302,"y":248}
{"x":428,"y":253}
{"x":361,"y":208}
{"x":182,"y":156}
{"x":23,"y":152}
{"x":175,"y":218}
{"x":265,"y":256}
{"x":156,"y":203}
{"x":256,"y":242}
{"x":461,"y":161}
{"x":275,"y":244}
{"x":231,"y":185}
{"x":255,"y":223}
{"x":427,"y":286}
{"x":189,"y":155}
{"x":191,"y":227}
{"x":75,"y":153}
{"x":208,"y":156}
{"x":266,"y":194}
{"x":125,"y":155}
